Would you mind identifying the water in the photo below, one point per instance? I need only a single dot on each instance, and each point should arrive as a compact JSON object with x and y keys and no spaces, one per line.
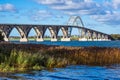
{"x":77,"y":43}
{"x":79,"y":72}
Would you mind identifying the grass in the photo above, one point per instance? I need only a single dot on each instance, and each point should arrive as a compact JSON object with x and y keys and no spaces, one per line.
{"x":22,"y":57}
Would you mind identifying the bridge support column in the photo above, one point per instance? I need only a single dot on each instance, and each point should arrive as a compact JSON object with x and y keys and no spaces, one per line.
{"x":106,"y":38}
{"x":83,"y":35}
{"x":40,"y":30}
{"x":65,"y":39}
{"x":82,"y":39}
{"x":54,"y":33}
{"x":99,"y":37}
{"x":39,"y":39}
{"x":94,"y":36}
{"x":53,"y":39}
{"x":23,"y":30}
{"x":89,"y":36}
{"x":102,"y":37}
{"x":89,"y":39}
{"x":66,"y":34}
{"x":6,"y":39}
{"x":23,"y":40}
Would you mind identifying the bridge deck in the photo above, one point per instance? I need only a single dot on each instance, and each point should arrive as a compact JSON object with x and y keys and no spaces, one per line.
{"x":34,"y":25}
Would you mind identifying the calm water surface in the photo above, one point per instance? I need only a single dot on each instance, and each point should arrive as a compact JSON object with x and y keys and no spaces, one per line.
{"x":77,"y":43}
{"x":78,"y":72}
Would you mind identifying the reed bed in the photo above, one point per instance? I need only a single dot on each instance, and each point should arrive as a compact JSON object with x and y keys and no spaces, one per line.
{"x":22,"y":57}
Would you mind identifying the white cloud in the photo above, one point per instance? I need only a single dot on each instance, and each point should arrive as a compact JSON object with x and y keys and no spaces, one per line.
{"x":40,"y":14}
{"x":106,"y":11}
{"x":7,"y":7}
{"x":74,"y":6}
{"x":50,"y":1}
{"x":116,"y":4}
{"x":111,"y":19}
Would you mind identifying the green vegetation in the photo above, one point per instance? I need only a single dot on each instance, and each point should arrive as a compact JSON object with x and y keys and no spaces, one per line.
{"x":74,"y":37}
{"x":115,"y":36}
{"x":22,"y":57}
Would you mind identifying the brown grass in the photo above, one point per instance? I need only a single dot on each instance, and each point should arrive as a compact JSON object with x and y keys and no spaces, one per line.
{"x":34,"y":56}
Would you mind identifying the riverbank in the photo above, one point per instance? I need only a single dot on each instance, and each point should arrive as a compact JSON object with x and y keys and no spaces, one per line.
{"x":23,"y":57}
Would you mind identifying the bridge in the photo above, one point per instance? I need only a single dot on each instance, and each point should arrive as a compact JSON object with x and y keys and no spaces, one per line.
{"x":85,"y":34}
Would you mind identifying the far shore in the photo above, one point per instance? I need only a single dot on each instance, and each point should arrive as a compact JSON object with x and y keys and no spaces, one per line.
{"x":23,"y":57}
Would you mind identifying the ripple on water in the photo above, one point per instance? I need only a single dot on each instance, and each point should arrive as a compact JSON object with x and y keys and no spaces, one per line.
{"x":78,"y":43}
{"x":71,"y":73}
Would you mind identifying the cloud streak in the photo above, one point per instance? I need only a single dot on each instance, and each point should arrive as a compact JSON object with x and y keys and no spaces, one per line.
{"x":75,"y":6}
{"x":7,"y":7}
{"x":37,"y":15}
{"x":106,"y":12}
{"x":111,"y":19}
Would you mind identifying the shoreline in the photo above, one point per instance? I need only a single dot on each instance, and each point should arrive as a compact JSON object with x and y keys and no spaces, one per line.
{"x":23,"y":57}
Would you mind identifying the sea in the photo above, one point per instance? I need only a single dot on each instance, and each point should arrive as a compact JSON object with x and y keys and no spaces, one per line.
{"x":115,"y":44}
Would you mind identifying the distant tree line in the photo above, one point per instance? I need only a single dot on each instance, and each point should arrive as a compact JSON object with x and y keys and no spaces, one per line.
{"x":115,"y":36}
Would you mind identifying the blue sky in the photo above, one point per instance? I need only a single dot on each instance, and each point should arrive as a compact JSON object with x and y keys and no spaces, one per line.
{"x":100,"y":15}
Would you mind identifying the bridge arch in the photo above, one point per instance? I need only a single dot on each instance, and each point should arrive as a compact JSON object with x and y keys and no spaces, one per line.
{"x":74,"y":21}
{"x":39,"y":33}
{"x":23,"y":30}
{"x":53,"y":33}
{"x":64,"y":33}
{"x":6,"y":31}
{"x":20,"y":31}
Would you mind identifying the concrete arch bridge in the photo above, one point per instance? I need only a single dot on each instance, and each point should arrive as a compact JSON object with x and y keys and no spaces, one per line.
{"x":85,"y":34}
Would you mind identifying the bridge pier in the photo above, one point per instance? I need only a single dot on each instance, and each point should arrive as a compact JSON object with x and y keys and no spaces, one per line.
{"x":94,"y":36}
{"x":23,"y":40}
{"x":66,"y":34}
{"x":53,"y":39}
{"x":106,"y":38}
{"x":89,"y":39}
{"x":95,"y":39}
{"x":65,"y":39}
{"x":39,"y":39}
{"x":102,"y":37}
{"x":83,"y":35}
{"x":98,"y":37}
{"x":82,"y":39}
{"x":89,"y":36}
{"x":6,"y":39}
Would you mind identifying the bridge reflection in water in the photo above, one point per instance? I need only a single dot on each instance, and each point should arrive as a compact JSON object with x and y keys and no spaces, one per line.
{"x":85,"y":34}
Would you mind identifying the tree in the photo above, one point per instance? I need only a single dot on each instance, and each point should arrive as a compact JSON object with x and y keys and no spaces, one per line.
{"x":1,"y":37}
{"x":115,"y":36}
